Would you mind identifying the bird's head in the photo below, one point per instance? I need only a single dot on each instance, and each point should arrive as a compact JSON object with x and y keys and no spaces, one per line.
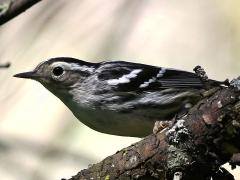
{"x":60,"y":74}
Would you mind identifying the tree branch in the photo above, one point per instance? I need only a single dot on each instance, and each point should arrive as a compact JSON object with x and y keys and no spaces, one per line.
{"x":193,"y":147}
{"x":12,"y":8}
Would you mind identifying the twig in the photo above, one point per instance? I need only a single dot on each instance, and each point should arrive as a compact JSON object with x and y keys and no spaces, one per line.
{"x":13,"y":8}
{"x":201,"y":73}
{"x":195,"y":145}
{"x":6,"y":65}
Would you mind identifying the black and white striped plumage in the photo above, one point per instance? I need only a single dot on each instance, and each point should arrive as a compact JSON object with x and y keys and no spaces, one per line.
{"x":118,"y":97}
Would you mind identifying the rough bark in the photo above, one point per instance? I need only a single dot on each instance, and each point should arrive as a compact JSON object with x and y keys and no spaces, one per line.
{"x":13,"y":8}
{"x":193,"y":147}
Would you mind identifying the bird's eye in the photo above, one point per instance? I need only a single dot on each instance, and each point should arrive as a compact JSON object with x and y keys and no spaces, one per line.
{"x":58,"y":71}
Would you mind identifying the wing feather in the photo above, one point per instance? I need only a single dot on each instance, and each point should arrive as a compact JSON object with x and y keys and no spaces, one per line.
{"x":147,"y":78}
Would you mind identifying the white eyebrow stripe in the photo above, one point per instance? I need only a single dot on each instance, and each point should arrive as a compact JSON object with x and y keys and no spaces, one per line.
{"x":78,"y":67}
{"x":125,"y":78}
{"x":74,"y":67}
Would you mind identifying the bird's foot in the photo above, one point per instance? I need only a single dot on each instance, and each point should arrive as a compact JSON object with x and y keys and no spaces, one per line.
{"x":160,"y":125}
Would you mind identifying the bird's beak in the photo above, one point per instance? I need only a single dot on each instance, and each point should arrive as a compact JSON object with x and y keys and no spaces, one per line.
{"x":27,"y":75}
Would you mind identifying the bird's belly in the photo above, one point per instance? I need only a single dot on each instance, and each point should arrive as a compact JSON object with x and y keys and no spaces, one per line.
{"x":110,"y":122}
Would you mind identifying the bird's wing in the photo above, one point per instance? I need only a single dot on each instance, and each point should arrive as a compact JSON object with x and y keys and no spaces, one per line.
{"x":133,"y":77}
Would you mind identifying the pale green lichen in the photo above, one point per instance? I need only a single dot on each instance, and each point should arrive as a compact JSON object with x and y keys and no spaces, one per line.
{"x":178,"y":133}
{"x":133,"y":159}
{"x":177,"y":157}
{"x":107,"y":177}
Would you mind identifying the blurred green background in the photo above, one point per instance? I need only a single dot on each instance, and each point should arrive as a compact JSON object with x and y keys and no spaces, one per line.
{"x":39,"y":137}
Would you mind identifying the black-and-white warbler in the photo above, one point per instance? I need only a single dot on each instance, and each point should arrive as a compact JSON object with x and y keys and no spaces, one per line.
{"x":118,"y":97}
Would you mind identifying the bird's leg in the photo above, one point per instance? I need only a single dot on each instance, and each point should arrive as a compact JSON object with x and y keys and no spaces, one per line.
{"x":160,"y":125}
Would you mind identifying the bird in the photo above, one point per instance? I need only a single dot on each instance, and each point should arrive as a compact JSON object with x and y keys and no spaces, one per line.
{"x":118,"y":97}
